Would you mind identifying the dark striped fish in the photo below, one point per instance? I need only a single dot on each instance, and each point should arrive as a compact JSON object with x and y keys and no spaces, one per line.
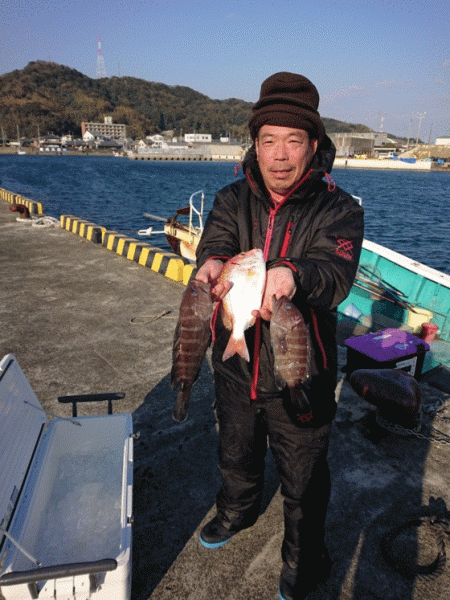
{"x":291,"y":345}
{"x":191,"y":340}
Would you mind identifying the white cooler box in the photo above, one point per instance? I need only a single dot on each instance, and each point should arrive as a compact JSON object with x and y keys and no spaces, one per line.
{"x":65,"y":499}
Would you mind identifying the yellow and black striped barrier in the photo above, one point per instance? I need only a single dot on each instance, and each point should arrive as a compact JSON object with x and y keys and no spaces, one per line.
{"x":35,"y":208}
{"x":83,"y":228}
{"x":168,"y":264}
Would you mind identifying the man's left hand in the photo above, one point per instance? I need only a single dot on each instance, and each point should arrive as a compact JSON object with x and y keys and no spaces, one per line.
{"x":279,"y":282}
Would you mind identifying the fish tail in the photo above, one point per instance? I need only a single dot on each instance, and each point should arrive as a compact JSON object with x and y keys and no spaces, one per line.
{"x":236,"y":346}
{"x":181,"y":408}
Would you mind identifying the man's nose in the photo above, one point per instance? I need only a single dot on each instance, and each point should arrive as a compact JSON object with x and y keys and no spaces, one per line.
{"x":281,"y":151}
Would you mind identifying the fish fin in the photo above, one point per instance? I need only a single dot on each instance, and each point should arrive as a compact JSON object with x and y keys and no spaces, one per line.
{"x":279,"y":380}
{"x":226,"y":319}
{"x":181,"y":407}
{"x":236,"y":346}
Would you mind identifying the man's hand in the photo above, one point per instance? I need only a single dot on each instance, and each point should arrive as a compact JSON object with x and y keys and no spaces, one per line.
{"x":279,"y":282}
{"x":210,"y":273}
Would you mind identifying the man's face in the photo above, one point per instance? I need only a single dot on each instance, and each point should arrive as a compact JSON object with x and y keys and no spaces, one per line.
{"x":283,"y":154}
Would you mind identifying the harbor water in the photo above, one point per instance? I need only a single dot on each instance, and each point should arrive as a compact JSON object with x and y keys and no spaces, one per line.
{"x":405,"y":211}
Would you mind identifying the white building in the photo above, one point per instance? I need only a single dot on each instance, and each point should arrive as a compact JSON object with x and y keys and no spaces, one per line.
{"x":443,"y":141}
{"x":90,"y":136}
{"x":205,"y":138}
{"x":351,"y":144}
{"x":155,"y":140}
{"x":106,"y":129}
{"x":232,"y":152}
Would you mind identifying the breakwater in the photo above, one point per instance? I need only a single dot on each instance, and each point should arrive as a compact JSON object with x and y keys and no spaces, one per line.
{"x":386,"y":164}
{"x":35,"y":208}
{"x":185,"y":157}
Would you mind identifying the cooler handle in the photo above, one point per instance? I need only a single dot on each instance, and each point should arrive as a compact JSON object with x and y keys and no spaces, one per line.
{"x":58,"y":571}
{"x":91,"y":398}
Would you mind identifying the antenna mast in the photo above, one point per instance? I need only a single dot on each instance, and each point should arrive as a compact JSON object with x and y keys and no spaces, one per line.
{"x":101,"y":69}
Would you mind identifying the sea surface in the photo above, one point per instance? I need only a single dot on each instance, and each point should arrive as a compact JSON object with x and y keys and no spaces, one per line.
{"x":407,"y":211}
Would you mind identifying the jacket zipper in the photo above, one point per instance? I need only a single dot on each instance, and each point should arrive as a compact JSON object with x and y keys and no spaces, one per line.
{"x":267,"y":242}
{"x":319,"y":339}
{"x":257,"y":342}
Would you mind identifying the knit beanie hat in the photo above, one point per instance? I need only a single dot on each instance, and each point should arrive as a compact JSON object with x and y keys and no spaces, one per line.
{"x":288,"y":100}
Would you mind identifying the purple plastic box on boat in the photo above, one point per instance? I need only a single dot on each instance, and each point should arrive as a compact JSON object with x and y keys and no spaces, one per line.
{"x":386,"y":349}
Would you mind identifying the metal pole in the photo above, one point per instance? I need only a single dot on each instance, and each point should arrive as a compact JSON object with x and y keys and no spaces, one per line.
{"x":420,"y":117}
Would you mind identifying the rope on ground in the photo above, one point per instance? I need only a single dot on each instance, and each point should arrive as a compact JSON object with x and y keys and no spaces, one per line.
{"x":39,"y":221}
{"x":45,"y":222}
{"x":407,"y":566}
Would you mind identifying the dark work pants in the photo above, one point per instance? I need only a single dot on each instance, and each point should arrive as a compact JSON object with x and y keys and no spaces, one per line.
{"x":300,"y":454}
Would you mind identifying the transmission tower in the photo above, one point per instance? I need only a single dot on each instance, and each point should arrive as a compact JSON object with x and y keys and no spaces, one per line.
{"x":101,"y":69}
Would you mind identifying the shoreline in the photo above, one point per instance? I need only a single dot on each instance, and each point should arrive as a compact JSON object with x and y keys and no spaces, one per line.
{"x":32,"y":152}
{"x":339,"y":162}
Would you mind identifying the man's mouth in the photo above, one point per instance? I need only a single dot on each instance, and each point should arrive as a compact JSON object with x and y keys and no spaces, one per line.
{"x":280,"y":172}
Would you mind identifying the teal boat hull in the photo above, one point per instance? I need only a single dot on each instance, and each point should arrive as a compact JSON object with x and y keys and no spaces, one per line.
{"x":402,"y":293}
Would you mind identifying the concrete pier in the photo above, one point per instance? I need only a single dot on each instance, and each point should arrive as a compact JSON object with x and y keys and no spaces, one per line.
{"x":185,"y":157}
{"x":171,"y":157}
{"x":81,"y":318}
{"x":389,"y":165}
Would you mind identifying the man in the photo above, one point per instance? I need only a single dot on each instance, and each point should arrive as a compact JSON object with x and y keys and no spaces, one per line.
{"x":311,"y":234}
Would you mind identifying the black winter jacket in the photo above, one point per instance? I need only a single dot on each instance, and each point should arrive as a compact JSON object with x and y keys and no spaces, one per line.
{"x":318,"y":232}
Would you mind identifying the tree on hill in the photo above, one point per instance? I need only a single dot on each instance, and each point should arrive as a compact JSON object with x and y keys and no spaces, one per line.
{"x":54,"y":98}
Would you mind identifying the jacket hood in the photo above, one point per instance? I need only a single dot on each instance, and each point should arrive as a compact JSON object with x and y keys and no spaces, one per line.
{"x":321,"y":164}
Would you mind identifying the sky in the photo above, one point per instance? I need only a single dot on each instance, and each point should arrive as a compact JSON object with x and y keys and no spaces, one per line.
{"x":382,"y":63}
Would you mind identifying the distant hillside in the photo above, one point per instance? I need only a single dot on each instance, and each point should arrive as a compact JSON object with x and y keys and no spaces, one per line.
{"x":56,"y":99}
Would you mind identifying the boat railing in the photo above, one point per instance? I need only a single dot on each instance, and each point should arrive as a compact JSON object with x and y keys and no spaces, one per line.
{"x":194,"y":211}
{"x":175,"y":227}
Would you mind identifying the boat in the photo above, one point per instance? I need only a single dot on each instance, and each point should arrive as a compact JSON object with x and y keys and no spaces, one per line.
{"x":182,"y":234}
{"x":390,"y":289}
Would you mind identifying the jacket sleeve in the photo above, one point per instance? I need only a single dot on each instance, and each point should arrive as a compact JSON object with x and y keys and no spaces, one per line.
{"x":220,"y":238}
{"x":325,"y":267}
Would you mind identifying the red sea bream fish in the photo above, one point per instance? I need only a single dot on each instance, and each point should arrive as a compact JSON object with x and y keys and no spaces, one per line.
{"x":191,"y":340}
{"x":247,"y":274}
{"x":291,"y":345}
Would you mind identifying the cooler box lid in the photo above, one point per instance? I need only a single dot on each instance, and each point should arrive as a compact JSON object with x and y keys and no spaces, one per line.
{"x":21,"y":421}
{"x":387,"y":345}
